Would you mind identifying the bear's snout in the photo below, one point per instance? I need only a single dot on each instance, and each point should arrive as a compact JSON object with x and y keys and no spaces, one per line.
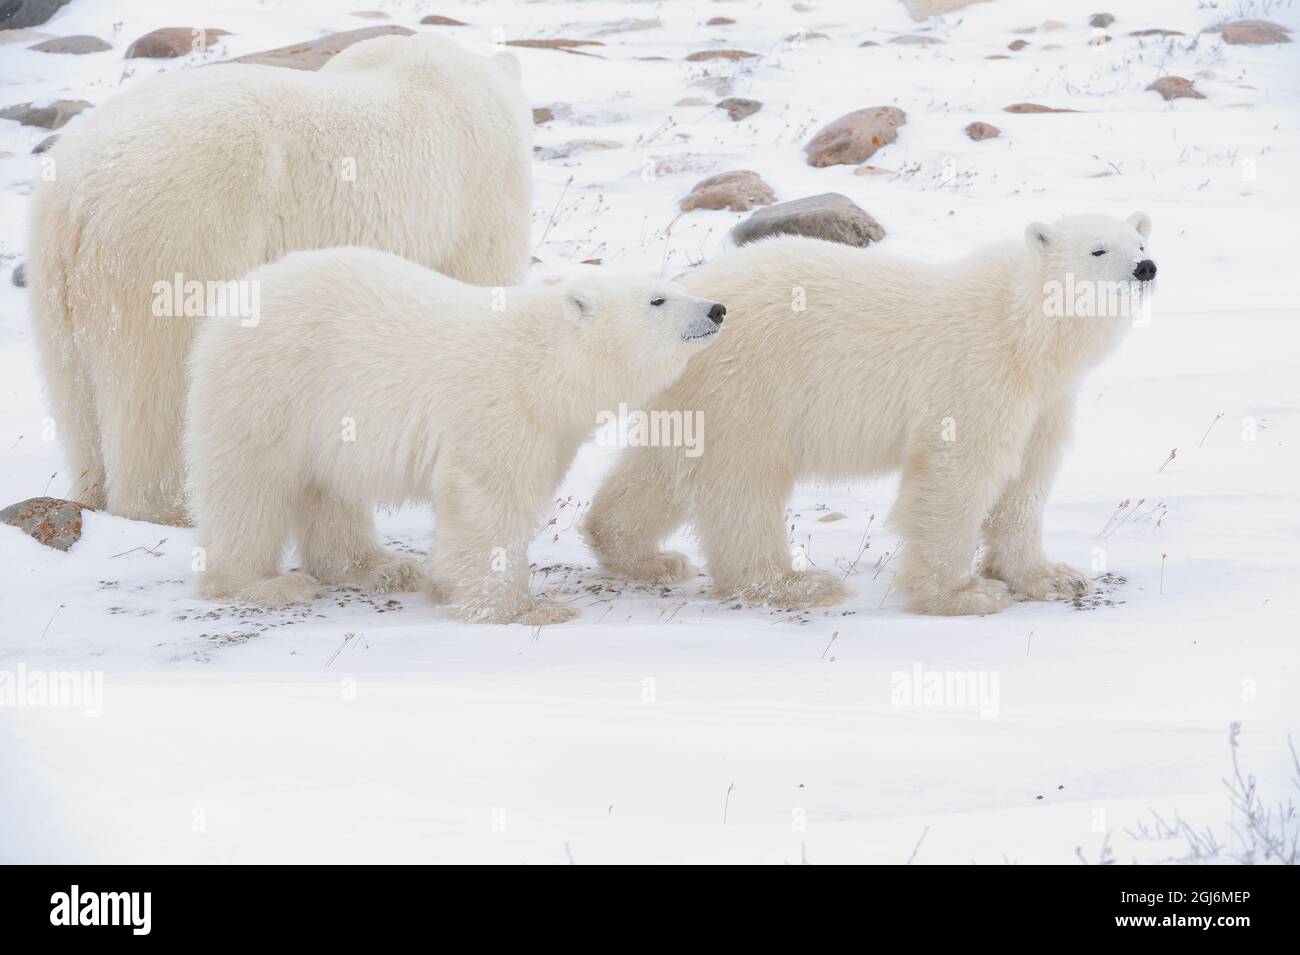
{"x":1145,"y":271}
{"x":716,"y":313}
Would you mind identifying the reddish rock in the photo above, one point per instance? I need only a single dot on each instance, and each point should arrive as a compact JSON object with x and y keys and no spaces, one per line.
{"x":1035,"y":108}
{"x":433,"y":20}
{"x":543,"y":114}
{"x":719,"y":22}
{"x":978,"y":131}
{"x":1176,"y":87}
{"x":52,"y":521}
{"x":720,"y":55}
{"x":553,"y":44}
{"x":739,"y":191}
{"x":1015,"y":46}
{"x":313,"y":54}
{"x":855,"y":137}
{"x":171,"y":42}
{"x":1252,"y":32}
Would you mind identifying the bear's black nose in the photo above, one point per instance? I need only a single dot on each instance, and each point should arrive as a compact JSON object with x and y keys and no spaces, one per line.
{"x":1145,"y":271}
{"x":718,"y":311}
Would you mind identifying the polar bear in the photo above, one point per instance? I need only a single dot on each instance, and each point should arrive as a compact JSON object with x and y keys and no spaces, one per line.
{"x":405,"y":143}
{"x":370,"y":379}
{"x":962,"y":376}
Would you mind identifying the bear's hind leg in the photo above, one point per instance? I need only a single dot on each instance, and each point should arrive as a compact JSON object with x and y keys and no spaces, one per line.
{"x":141,"y":424}
{"x":637,"y":506}
{"x":72,"y":394}
{"x":338,"y":545}
{"x":741,"y":526}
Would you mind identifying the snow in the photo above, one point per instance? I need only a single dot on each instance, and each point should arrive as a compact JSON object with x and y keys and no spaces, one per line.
{"x":664,"y":726}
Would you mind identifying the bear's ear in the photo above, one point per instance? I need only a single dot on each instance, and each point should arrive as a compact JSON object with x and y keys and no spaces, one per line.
{"x":509,"y":63}
{"x":580,"y":304}
{"x":1038,"y":236}
{"x":1142,"y":222}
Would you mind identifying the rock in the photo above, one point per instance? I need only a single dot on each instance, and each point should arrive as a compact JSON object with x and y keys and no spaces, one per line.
{"x":371,"y":14}
{"x":685,"y":162}
{"x":170,"y":42}
{"x":719,"y":22}
{"x":577,"y":146}
{"x":1176,"y":87}
{"x":52,"y":116}
{"x":542,"y":114}
{"x":865,"y":170}
{"x":829,"y":216}
{"x":16,"y":14}
{"x":739,"y":191}
{"x":433,"y":20}
{"x":45,"y":144}
{"x":1015,"y":46}
{"x":924,"y":9}
{"x":978,"y":131}
{"x":630,"y":25}
{"x":915,"y":39}
{"x":1157,"y":32}
{"x":998,"y":56}
{"x":738,"y":108}
{"x":77,"y":45}
{"x":1100,"y":20}
{"x":1035,"y":108}
{"x":313,"y":54}
{"x":1252,"y":32}
{"x":1099,"y":40}
{"x":553,"y":44}
{"x":52,"y":521}
{"x":20,"y":275}
{"x":855,"y":137}
{"x":832,"y":517}
{"x":720,"y":55}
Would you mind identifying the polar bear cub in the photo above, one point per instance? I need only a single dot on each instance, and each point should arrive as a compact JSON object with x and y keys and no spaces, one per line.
{"x":962,"y":376}
{"x":190,"y":179}
{"x":369,"y":379}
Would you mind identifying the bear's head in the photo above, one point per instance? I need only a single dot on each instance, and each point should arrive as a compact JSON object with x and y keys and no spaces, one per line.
{"x":649,"y":328}
{"x":1096,"y":248}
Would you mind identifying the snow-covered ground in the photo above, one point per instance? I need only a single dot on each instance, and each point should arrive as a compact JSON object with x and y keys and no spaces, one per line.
{"x":666,"y":726}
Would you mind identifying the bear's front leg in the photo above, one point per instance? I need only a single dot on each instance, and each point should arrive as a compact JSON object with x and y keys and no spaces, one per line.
{"x":1013,"y":530}
{"x":480,"y":558}
{"x":947,"y":488}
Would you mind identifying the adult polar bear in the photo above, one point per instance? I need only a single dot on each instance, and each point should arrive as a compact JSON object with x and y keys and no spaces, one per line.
{"x":961,"y":375}
{"x":409,"y":144}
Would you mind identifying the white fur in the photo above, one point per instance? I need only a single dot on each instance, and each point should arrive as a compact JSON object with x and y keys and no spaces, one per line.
{"x":889,"y":360}
{"x":370,"y":379}
{"x":211,"y":172}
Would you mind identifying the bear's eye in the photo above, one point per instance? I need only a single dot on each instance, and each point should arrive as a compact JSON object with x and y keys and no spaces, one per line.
{"x":1099,"y":252}
{"x":657,"y":301}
